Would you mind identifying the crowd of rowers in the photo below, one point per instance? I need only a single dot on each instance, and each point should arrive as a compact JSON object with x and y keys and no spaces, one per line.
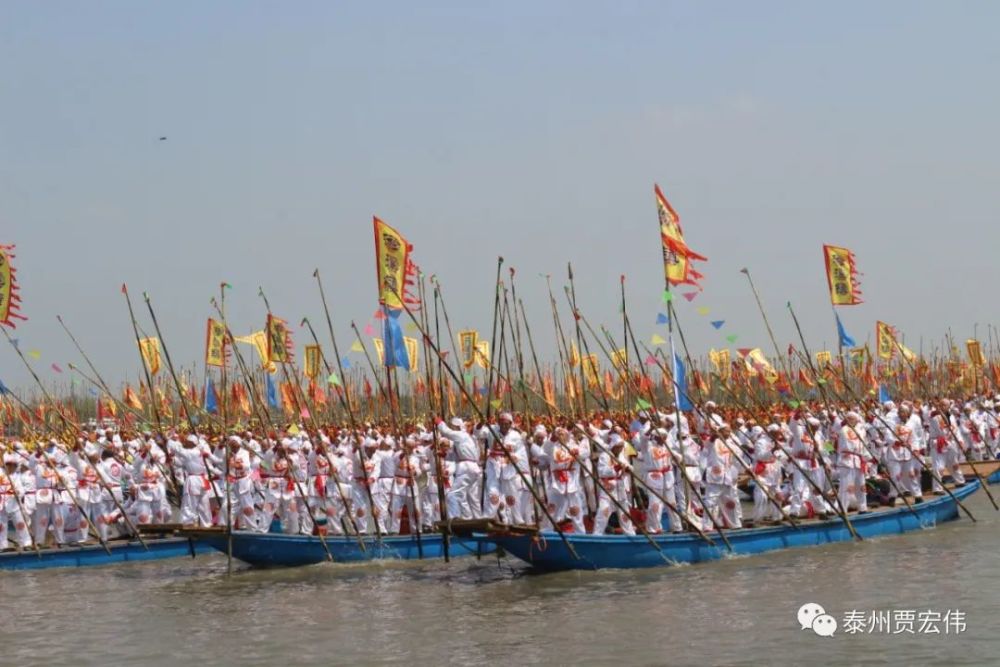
{"x":661,"y":470}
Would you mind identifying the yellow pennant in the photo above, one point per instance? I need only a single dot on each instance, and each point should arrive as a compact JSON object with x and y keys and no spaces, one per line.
{"x":467,"y":341}
{"x":591,"y":368}
{"x":278,"y":338}
{"x":574,"y":354}
{"x":215,"y":344}
{"x":483,"y":353}
{"x":379,"y":350}
{"x":311,"y":361}
{"x":150,"y":348}
{"x":823,"y":358}
{"x":619,"y":359}
{"x":412,"y":351}
{"x":885,"y":340}
{"x":975,"y":350}
{"x":356,"y":346}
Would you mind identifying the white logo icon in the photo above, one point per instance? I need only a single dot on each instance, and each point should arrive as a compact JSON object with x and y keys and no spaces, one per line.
{"x":813,"y":617}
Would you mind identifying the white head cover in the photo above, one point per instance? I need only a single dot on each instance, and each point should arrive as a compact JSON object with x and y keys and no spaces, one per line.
{"x":456,"y":422}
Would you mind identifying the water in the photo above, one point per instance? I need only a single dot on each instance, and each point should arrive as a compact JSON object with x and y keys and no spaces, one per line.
{"x":739,"y":611}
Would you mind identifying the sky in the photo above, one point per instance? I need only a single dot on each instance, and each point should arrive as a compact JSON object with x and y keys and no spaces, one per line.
{"x":528,"y":130}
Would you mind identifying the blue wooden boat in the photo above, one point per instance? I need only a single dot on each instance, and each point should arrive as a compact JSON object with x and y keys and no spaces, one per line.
{"x":988,"y":470}
{"x":278,"y":550}
{"x":85,"y":556}
{"x":546,"y":550}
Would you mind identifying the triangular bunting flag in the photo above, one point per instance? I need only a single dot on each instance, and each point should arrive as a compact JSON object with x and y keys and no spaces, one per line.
{"x":690,"y":295}
{"x":356,"y":346}
{"x":732,"y":338}
{"x":657,"y":340}
{"x":369,"y":329}
{"x":496,"y":403}
{"x":703,"y":310}
{"x":661,"y":318}
{"x":667,"y":296}
{"x":718,"y":323}
{"x":743,"y":351}
{"x":35,"y":354}
{"x":640,"y":404}
{"x":650,"y":361}
{"x":345,"y":362}
{"x":333,"y":380}
{"x":379,"y":315}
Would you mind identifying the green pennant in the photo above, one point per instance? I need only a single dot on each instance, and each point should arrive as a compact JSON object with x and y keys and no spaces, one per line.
{"x":641,"y":404}
{"x":820,"y":381}
{"x":732,"y":338}
{"x":496,"y":403}
{"x":468,"y":377}
{"x":793,"y":404}
{"x":667,"y":296}
{"x":333,"y":380}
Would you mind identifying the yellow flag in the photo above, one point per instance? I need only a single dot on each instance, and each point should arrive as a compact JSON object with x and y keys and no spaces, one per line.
{"x":975,"y":350}
{"x":379,"y":350}
{"x":260,"y":342}
{"x":823,"y":358}
{"x":131,"y":399}
{"x":150,"y":348}
{"x":246,"y":340}
{"x":483,"y":353}
{"x":356,"y":346}
{"x":310,"y":361}
{"x":757,"y":363}
{"x":412,"y":351}
{"x":392,"y":261}
{"x":278,"y":339}
{"x":885,"y":340}
{"x":467,"y":341}
{"x":657,"y":339}
{"x":619,"y":359}
{"x":591,"y":367}
{"x":215,"y":344}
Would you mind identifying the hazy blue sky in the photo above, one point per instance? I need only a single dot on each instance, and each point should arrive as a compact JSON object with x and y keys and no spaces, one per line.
{"x":532,"y":130}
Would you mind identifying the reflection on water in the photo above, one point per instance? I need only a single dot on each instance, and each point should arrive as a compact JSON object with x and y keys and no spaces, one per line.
{"x":739,"y":611}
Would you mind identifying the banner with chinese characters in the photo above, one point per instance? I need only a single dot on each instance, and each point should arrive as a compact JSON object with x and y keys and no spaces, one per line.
{"x":841,"y":276}
{"x":311,"y":361}
{"x":467,"y":341}
{"x":215,"y":344}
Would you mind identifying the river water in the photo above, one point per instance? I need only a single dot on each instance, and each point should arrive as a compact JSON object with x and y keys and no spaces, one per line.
{"x":741,"y":611}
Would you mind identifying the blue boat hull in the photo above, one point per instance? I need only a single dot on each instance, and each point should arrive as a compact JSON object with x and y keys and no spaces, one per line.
{"x":273,"y":550}
{"x":547,"y":551}
{"x":159,"y":549}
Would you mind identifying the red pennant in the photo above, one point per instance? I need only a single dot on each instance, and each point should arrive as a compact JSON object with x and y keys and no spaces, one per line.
{"x":690,"y":295}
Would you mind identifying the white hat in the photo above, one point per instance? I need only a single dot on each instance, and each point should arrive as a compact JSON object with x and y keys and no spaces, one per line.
{"x":457,"y":422}
{"x":193,"y":439}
